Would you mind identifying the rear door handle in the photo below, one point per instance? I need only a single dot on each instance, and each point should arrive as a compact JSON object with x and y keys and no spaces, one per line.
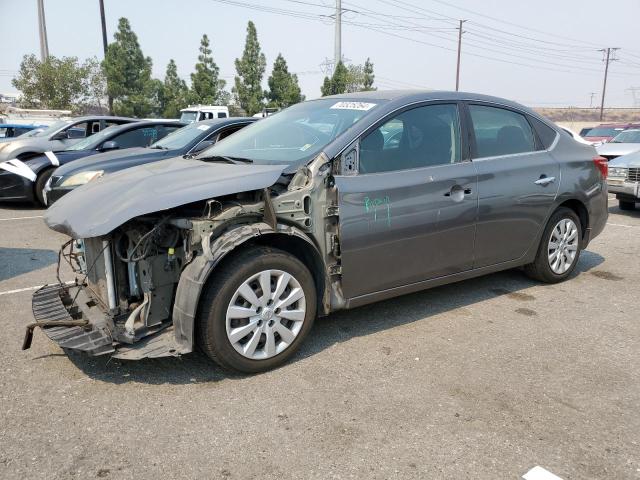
{"x":544,"y":180}
{"x":457,"y":190}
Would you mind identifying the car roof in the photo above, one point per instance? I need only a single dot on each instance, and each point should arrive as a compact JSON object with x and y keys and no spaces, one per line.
{"x":221,"y":122}
{"x":94,"y":118}
{"x":20,"y":125}
{"x":409,"y":96}
{"x":149,"y":123}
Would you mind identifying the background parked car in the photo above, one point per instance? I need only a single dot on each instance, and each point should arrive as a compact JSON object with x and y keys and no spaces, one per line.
{"x":12,"y":130}
{"x":627,"y":141}
{"x":574,"y":135}
{"x":186,"y":141}
{"x":115,"y":137}
{"x":624,"y":180}
{"x":606,"y":131}
{"x":59,"y":136}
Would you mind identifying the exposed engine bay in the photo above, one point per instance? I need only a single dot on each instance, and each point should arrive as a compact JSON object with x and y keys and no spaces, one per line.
{"x":145,"y":277}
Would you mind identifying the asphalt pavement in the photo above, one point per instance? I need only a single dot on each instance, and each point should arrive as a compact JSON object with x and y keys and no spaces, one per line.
{"x":484,"y":379}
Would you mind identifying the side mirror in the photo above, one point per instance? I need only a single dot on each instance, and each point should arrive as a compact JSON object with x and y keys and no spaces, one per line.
{"x":60,"y":136}
{"x":110,"y":145}
{"x":349,"y":161}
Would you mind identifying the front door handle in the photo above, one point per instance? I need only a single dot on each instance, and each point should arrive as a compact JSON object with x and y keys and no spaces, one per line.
{"x":544,"y":180}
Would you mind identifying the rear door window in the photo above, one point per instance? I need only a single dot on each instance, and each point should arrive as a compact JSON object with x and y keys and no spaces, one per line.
{"x":139,"y":137}
{"x":499,"y":131}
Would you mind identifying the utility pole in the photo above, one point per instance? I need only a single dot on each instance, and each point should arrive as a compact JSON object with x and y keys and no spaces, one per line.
{"x":104,"y":27}
{"x":608,"y":59}
{"x":42,"y":30}
{"x":338,"y":35}
{"x":104,"y":48}
{"x":460,"y":32}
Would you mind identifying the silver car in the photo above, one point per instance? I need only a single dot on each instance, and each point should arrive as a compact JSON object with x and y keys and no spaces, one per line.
{"x":327,"y":205}
{"x":622,"y":144}
{"x":624,"y":180}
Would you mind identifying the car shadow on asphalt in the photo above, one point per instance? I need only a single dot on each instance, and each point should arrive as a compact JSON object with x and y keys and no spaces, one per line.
{"x":627,"y":213}
{"x":16,"y":261}
{"x":20,"y":206}
{"x":338,"y":327}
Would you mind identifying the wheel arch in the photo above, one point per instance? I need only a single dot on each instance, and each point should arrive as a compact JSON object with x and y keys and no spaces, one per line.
{"x":582,"y":212}
{"x":196,"y":274}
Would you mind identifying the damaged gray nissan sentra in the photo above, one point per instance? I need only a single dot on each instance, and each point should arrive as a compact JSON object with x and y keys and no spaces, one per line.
{"x":329,"y":204}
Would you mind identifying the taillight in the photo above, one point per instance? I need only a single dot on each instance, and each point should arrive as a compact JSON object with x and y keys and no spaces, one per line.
{"x":603,"y":165}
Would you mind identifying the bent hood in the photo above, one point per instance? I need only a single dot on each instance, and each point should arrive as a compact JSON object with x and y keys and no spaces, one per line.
{"x":627,"y":161}
{"x":99,"y":207}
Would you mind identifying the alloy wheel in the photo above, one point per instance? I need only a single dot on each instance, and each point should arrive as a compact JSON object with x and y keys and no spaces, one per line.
{"x":563,"y":246}
{"x":265,"y":314}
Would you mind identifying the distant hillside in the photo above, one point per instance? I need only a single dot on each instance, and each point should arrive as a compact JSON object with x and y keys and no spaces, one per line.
{"x":590,"y":115}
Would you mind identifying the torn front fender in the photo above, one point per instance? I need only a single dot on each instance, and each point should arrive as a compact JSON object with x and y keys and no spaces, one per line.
{"x":195,"y":274}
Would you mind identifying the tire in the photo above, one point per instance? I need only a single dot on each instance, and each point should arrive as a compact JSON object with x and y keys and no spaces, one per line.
{"x":626,"y":205}
{"x":552,"y":267}
{"x":253,"y":353}
{"x":41,"y":181}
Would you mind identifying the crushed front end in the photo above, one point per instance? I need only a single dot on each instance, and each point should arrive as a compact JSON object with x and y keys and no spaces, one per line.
{"x":123,"y":294}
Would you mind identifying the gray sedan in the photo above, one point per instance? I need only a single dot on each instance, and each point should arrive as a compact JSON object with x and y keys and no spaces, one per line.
{"x":624,"y":180}
{"x":622,"y":144}
{"x":330,"y":204}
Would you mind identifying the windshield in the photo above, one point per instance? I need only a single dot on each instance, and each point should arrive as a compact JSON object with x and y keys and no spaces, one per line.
{"x":630,"y":136}
{"x":91,"y":142}
{"x":293,"y":135}
{"x":181,"y":137}
{"x":603,"y":132}
{"x":189,"y":117}
{"x":53,"y":128}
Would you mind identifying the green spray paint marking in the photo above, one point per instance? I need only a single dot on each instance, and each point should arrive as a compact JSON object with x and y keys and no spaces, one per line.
{"x":373,"y":205}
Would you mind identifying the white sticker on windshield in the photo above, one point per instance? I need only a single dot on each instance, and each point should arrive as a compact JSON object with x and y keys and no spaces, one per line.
{"x":203,"y":127}
{"x":354,"y":106}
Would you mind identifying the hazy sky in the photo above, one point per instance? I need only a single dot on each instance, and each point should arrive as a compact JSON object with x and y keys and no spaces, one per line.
{"x":411,"y":42}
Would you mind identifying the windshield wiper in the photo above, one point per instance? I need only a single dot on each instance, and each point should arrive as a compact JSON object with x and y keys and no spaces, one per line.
{"x":234,"y":160}
{"x":159,"y":147}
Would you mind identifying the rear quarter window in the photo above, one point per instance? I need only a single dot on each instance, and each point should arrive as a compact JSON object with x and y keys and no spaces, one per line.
{"x":546,"y":134}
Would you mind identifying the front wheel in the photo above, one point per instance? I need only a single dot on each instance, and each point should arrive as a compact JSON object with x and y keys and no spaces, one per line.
{"x":256,"y":310}
{"x":559,"y":248}
{"x":41,"y":181}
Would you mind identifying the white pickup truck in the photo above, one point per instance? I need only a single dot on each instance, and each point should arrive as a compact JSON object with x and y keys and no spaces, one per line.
{"x":196,"y":113}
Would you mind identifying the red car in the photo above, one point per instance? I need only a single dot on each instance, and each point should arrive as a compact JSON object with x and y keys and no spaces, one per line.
{"x":606,"y":131}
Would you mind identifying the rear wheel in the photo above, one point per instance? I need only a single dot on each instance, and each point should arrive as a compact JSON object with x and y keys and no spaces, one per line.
{"x":256,"y":310}
{"x":41,"y":181}
{"x":626,"y":205}
{"x":559,"y":248}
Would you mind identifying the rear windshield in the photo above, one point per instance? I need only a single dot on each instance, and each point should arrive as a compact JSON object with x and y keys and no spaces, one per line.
{"x":604,"y":132}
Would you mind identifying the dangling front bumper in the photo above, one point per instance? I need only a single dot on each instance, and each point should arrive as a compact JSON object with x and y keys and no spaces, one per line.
{"x":74,"y":321}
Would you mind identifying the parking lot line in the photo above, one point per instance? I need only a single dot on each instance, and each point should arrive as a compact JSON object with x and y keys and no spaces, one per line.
{"x":620,"y":225}
{"x":539,"y":473}
{"x":20,"y":218}
{"x":26,"y":289}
